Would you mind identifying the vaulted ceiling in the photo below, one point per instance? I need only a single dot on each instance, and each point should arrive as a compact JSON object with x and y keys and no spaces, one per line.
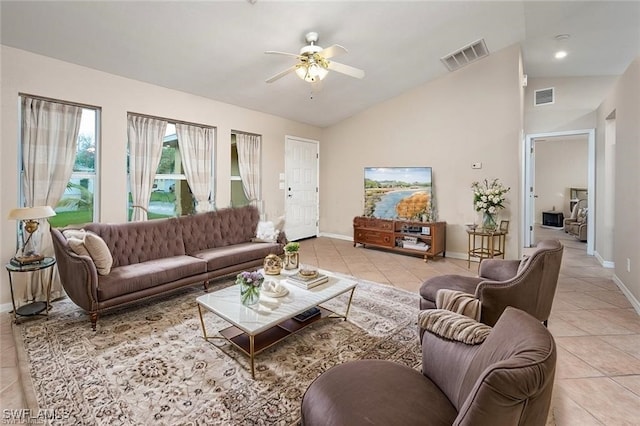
{"x":216,"y":49}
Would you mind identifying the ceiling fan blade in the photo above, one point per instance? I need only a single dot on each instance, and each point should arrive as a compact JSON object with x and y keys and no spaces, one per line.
{"x":332,"y":51}
{"x":275,"y":52}
{"x":346,"y":69}
{"x":281,"y":74}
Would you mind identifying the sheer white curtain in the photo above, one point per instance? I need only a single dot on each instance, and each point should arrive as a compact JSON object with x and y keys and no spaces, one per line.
{"x":196,"y":149}
{"x":49,"y":140}
{"x":145,"y":148}
{"x":249,"y":165}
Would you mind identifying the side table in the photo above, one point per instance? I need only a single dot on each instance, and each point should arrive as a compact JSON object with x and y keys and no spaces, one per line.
{"x":487,"y":247}
{"x":33,"y":308}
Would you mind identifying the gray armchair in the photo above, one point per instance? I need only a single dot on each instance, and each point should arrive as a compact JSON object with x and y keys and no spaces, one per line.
{"x":528,"y":284}
{"x":576,"y":224}
{"x":505,"y":381}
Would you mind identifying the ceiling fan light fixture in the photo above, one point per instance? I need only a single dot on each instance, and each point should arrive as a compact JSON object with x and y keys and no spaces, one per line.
{"x":311,"y":72}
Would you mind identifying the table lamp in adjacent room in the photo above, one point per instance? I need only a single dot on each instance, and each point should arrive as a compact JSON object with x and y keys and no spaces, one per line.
{"x":29,"y":248}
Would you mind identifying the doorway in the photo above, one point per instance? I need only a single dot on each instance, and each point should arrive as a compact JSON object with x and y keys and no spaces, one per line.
{"x":530,"y":194}
{"x":301,"y":187}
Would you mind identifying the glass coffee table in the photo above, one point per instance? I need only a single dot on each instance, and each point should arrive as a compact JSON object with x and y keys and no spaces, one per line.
{"x":256,"y":328}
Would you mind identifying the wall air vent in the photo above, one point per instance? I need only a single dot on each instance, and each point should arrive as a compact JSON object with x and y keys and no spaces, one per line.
{"x":461,"y":57}
{"x":544,"y":97}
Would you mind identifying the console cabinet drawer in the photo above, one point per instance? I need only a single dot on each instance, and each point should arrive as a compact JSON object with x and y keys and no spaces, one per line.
{"x":373,"y":223}
{"x":367,"y":236}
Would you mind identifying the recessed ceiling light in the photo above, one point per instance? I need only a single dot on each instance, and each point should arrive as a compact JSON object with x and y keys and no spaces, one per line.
{"x":561,"y":40}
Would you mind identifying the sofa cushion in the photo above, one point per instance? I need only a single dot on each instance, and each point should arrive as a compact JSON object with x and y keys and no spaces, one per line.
{"x":131,"y":278}
{"x":222,"y":257}
{"x":137,"y":242}
{"x":201,"y":231}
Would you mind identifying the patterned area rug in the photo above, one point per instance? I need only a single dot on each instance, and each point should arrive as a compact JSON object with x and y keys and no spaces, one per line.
{"x":149,"y":364}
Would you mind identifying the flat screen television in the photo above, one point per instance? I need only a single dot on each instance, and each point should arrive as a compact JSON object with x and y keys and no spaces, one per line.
{"x":397,"y":192}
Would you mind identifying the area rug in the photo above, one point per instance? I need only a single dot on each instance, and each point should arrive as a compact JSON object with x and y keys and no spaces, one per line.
{"x":148,"y":364}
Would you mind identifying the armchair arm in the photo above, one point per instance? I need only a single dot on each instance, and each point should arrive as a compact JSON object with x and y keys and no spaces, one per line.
{"x":78,"y":274}
{"x":498,"y":269}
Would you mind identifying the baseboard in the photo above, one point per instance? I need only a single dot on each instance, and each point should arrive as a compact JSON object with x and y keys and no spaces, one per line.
{"x":452,"y":255}
{"x":6,"y":307}
{"x":605,"y":263}
{"x":634,"y":302}
{"x":336,"y":236}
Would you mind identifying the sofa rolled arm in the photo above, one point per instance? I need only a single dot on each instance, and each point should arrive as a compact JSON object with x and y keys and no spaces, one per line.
{"x":78,"y":274}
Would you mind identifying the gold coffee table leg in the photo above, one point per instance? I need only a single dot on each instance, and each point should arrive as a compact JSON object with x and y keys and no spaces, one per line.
{"x":204,"y":330}
{"x":251,"y":356}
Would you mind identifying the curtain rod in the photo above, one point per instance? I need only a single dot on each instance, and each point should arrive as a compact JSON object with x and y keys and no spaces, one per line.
{"x":58,"y":101}
{"x":171,"y":120}
{"x":239,"y":132}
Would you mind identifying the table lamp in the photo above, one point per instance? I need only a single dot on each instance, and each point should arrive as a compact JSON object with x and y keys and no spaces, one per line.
{"x":28,"y":249}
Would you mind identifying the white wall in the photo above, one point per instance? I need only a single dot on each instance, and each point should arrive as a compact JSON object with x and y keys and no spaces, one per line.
{"x":24,"y":72}
{"x":624,"y":99}
{"x":576,"y":100}
{"x":559,"y":165}
{"x":470,"y":115}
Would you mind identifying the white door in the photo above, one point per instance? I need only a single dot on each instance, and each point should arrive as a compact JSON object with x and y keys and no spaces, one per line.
{"x":301,"y":188}
{"x":529,"y":192}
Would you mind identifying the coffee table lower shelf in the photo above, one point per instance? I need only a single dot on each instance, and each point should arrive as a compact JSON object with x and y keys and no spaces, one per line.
{"x":270,"y":336}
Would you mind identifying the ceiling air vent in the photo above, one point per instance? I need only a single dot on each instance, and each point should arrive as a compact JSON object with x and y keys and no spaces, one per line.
{"x":470,"y":53}
{"x":544,"y":97}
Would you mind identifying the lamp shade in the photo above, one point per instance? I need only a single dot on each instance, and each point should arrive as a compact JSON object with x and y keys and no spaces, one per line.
{"x":28,"y":213}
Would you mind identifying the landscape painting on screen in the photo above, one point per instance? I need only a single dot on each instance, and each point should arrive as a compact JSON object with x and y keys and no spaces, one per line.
{"x":397,"y":192}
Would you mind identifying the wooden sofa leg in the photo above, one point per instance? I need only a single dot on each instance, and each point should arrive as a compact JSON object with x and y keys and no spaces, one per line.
{"x":206,"y":286}
{"x":546,"y":323}
{"x":93,"y":316}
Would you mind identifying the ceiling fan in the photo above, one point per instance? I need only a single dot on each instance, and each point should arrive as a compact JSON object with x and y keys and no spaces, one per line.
{"x":313,"y":62}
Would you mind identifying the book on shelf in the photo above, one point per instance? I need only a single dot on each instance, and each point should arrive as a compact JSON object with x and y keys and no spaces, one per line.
{"x":307,"y":282}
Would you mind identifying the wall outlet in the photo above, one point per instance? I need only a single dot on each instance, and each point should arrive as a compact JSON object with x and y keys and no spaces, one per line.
{"x":628,"y":265}
{"x":476,"y":165}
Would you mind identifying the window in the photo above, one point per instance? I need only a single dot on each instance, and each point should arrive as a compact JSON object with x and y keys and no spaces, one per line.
{"x":77,"y":204}
{"x":171,"y":195}
{"x":238,"y":197}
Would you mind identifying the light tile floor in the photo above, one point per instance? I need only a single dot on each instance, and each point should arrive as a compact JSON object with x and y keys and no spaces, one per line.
{"x":596,"y":329}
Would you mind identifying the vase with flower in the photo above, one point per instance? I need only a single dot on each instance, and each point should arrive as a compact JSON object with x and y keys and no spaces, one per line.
{"x":250,"y":283}
{"x":488,"y":198}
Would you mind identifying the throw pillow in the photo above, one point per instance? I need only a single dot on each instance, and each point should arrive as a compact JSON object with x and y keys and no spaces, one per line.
{"x":77,"y":246}
{"x":99,"y":252}
{"x":266,"y":232}
{"x":523,"y":264}
{"x":459,"y":302}
{"x":453,"y":326}
{"x":74,"y":233}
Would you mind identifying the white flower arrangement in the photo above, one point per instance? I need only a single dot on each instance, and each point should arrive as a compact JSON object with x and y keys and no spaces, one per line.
{"x":489,"y":197}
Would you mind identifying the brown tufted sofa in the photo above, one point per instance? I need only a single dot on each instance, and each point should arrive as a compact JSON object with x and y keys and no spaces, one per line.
{"x":157,"y":256}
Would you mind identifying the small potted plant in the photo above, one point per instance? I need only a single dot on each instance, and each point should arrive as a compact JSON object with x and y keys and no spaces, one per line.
{"x":291,"y":255}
